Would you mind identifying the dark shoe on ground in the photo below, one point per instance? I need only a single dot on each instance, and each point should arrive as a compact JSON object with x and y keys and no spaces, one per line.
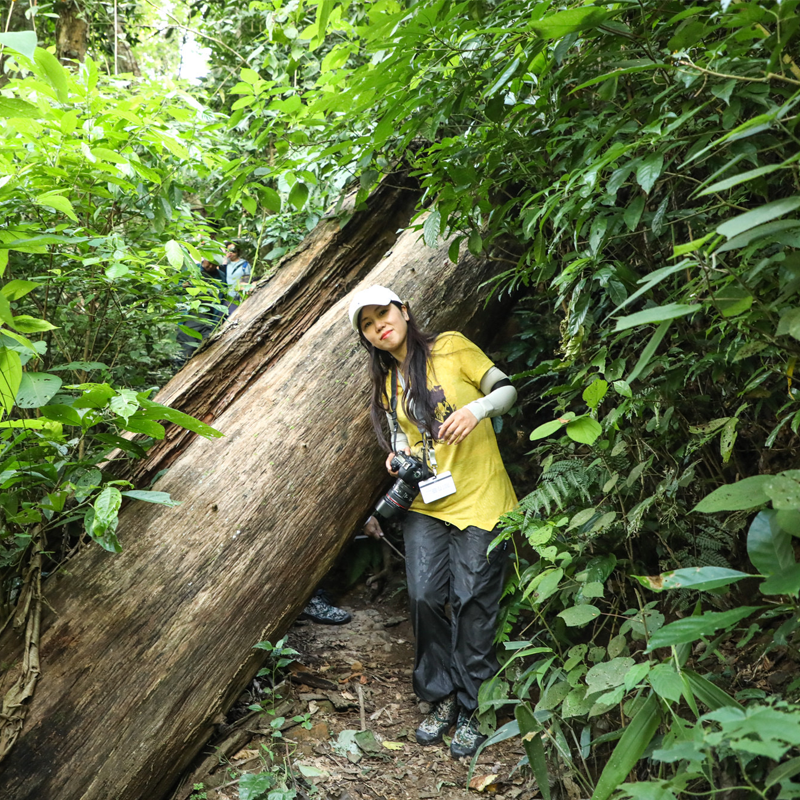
{"x":438,"y":722}
{"x":467,"y":738}
{"x":320,"y":610}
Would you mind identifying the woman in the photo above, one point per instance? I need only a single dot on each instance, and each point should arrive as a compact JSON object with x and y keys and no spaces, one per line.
{"x":444,"y":389}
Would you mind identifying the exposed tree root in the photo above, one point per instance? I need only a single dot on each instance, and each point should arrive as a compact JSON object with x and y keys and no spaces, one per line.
{"x":28,"y":616}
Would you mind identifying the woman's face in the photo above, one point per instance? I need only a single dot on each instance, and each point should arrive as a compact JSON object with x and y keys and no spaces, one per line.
{"x":385,"y":327}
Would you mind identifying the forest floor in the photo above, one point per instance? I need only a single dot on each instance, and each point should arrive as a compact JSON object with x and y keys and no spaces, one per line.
{"x":350,"y":686}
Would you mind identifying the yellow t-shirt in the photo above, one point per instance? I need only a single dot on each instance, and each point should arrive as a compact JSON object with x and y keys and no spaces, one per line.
{"x":483,"y":489}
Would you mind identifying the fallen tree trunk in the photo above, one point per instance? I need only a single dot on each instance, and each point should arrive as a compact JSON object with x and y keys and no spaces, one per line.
{"x":329,"y":262}
{"x":148,"y":649}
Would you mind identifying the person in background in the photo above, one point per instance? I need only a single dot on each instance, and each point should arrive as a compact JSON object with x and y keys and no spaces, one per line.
{"x":205,"y":319}
{"x":237,"y":274}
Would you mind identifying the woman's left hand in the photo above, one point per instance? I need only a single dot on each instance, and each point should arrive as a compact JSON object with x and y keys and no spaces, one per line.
{"x":457,"y":426}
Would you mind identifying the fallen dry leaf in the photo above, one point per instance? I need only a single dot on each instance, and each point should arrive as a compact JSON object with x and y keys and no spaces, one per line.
{"x":356,"y":666}
{"x":362,"y":680}
{"x":484,"y":783}
{"x":247,"y":753}
{"x":393,"y":745}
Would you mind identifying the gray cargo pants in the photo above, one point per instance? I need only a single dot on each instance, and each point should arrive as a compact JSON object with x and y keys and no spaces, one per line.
{"x":444,"y":564}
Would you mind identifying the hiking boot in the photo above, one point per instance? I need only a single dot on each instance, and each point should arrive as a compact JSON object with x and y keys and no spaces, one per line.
{"x":320,"y":610}
{"x":467,"y":738}
{"x":438,"y":722}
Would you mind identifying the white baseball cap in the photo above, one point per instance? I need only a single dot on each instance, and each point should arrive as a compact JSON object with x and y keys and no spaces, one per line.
{"x":374,"y":296}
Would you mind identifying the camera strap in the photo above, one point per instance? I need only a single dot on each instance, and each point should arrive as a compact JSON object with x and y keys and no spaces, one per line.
{"x":426,"y":446}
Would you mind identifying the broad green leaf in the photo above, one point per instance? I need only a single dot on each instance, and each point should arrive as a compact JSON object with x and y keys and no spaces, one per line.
{"x":608,"y":674}
{"x":255,"y":787}
{"x":789,"y":323}
{"x":739,"y":496}
{"x":787,"y":581}
{"x":34,"y":424}
{"x":584,"y":430}
{"x":249,"y":76}
{"x":692,"y":578}
{"x":789,"y":521}
{"x":61,"y":413}
{"x":174,"y":254}
{"x":298,"y":195}
{"x":783,"y":772}
{"x":324,"y":9}
{"x":139,"y":423}
{"x":16,"y":289}
{"x":594,"y":393}
{"x":768,"y":232}
{"x":562,"y":23}
{"x":633,"y":213}
{"x":784,"y":492}
{"x":690,"y":247}
{"x":5,"y":311}
{"x":733,"y":300}
{"x":666,"y":682}
{"x":575,"y":616}
{"x":10,"y":377}
{"x":547,"y":428}
{"x":11,"y":107}
{"x":531,"y":732}
{"x":23,"y":42}
{"x":758,"y":216}
{"x":156,"y":411}
{"x":124,"y":404}
{"x":160,"y":498}
{"x":54,"y":72}
{"x":629,"y":749}
{"x":655,"y":315}
{"x":648,"y":172}
{"x":36,"y":389}
{"x":553,"y":696}
{"x":475,"y":243}
{"x":622,"y":388}
{"x":454,"y":250}
{"x":691,"y":629}
{"x":25,"y":324}
{"x":431,"y":227}
{"x":728,"y":438}
{"x":271,"y":199}
{"x":94,"y":395}
{"x":768,"y":545}
{"x":102,"y":524}
{"x":117,"y":270}
{"x":58,"y":203}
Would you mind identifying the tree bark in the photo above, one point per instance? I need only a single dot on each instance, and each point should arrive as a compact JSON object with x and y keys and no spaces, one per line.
{"x":72,"y":33}
{"x":147,"y":650}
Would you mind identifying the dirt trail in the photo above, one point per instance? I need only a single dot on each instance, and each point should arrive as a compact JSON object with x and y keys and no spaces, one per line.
{"x":343,"y":674}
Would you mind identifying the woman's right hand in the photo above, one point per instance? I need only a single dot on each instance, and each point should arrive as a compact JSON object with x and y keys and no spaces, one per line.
{"x":372,"y":528}
{"x":406,"y":450}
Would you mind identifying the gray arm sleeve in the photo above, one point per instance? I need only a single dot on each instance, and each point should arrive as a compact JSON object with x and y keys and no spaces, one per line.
{"x":401,"y":440}
{"x":495,"y":402}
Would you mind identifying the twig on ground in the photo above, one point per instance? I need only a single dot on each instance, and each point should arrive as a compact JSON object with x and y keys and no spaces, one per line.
{"x":361,"y":709}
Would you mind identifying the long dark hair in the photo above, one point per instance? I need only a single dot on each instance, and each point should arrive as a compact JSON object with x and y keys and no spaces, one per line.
{"x":417,"y":403}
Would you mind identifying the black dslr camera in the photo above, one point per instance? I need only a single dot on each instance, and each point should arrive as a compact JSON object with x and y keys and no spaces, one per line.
{"x":410,"y":471}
